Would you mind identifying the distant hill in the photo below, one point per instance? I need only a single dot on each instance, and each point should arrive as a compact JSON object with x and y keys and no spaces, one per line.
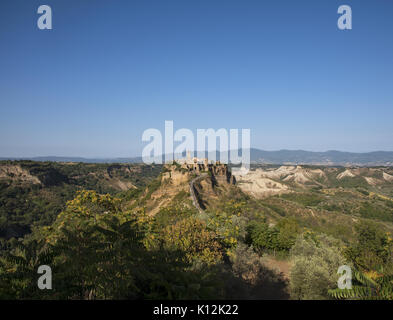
{"x":377,"y":158}
{"x":77,"y":159}
{"x":332,"y":157}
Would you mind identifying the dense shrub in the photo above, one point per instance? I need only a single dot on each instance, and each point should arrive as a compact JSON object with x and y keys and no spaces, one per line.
{"x":191,"y":236}
{"x":372,"y":249}
{"x":314,"y":267}
{"x":280,"y":237}
{"x":247,"y":264}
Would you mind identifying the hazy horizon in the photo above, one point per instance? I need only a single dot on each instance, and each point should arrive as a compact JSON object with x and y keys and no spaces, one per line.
{"x":138,"y":156}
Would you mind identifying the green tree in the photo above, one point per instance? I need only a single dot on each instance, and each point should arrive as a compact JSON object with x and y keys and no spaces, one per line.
{"x":314,"y":267}
{"x":372,"y":249}
{"x":191,"y":236}
{"x":280,"y":237}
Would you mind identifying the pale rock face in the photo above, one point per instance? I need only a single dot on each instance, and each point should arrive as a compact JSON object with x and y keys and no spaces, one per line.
{"x":296,"y":174}
{"x":346,"y":173}
{"x":371,"y":181}
{"x":15,"y":172}
{"x":176,"y":177}
{"x":279,"y":173}
{"x":298,"y":177}
{"x":256,"y":184}
{"x":318,"y":173}
{"x":387,"y":177}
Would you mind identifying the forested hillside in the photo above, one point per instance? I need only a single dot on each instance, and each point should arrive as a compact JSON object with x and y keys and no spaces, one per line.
{"x":33,"y":193}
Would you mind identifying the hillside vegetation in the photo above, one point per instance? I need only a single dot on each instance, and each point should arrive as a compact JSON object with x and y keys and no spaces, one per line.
{"x":34,"y":193}
{"x":275,"y":233}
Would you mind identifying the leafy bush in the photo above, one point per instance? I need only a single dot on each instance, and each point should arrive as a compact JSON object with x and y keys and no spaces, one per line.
{"x":372,"y":249}
{"x":191,"y":236}
{"x":280,"y":237}
{"x":314,"y":267}
{"x":230,"y":228}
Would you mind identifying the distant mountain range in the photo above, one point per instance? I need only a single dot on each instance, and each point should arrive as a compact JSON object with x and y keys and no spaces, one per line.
{"x":377,"y":158}
{"x":77,"y":159}
{"x":332,"y":157}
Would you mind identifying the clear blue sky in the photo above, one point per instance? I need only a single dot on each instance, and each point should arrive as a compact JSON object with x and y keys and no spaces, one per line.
{"x":111,"y":69}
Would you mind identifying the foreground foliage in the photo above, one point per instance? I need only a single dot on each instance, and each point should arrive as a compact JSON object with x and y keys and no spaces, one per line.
{"x":97,"y":252}
{"x":373,"y":286}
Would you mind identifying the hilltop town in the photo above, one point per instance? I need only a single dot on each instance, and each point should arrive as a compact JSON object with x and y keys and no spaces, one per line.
{"x":182,"y":169}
